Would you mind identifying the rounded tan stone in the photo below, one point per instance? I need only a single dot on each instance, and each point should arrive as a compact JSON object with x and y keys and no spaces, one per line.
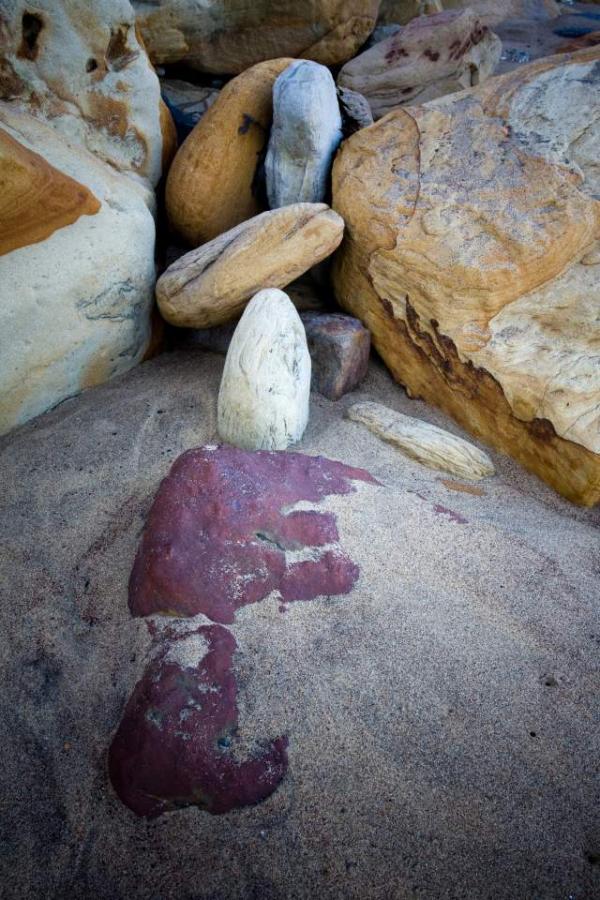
{"x":210,"y":187}
{"x":212,"y":284}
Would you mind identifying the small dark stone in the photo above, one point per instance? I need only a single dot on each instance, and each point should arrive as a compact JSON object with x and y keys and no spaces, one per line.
{"x":339,"y":347}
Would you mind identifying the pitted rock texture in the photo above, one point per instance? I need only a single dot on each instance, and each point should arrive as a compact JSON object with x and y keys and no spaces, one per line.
{"x":175,"y":744}
{"x":211,"y":186}
{"x":430,"y":57}
{"x":212,"y":284}
{"x":265,"y":389}
{"x":76,"y":268}
{"x":228,"y":36}
{"x":220,"y":528}
{"x":471,"y":257}
{"x":306,"y":132}
{"x":81,"y":67}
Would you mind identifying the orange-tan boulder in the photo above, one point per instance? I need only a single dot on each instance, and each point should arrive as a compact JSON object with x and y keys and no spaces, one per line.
{"x":228,"y":36}
{"x":471,"y":254}
{"x":211,"y":185}
{"x":81,"y":67}
{"x":76,"y":268}
{"x":212,"y":284}
{"x":430,"y":57}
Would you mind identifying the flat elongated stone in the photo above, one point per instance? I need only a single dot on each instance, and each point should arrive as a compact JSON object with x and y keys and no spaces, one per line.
{"x":265,"y":389}
{"x":306,"y":132}
{"x":211,"y":285}
{"x":175,"y":744}
{"x":219,"y":529}
{"x":422,"y":442}
{"x":429,"y":57}
{"x":339,"y":349}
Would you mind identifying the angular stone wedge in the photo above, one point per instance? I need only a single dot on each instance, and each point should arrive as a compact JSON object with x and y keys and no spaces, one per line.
{"x":423,"y":442}
{"x":211,"y":285}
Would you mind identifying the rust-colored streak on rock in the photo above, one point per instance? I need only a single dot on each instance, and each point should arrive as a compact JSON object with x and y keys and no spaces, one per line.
{"x":35,"y":198}
{"x":174,"y":746}
{"x":217,"y":533}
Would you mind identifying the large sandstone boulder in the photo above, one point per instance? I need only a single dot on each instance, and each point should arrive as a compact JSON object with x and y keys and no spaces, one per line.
{"x":76,"y":268}
{"x":228,"y":36}
{"x":212,"y":284}
{"x":81,"y":67}
{"x":491,"y":12}
{"x":470,"y":255}
{"x":212,"y":182}
{"x":430,"y":57}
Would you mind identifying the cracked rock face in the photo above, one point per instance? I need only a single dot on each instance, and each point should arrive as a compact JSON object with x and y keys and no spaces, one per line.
{"x":228,"y":36}
{"x":265,"y":389}
{"x":430,"y":57}
{"x":471,"y":256}
{"x":81,"y":67}
{"x":306,"y":132}
{"x":76,"y":269}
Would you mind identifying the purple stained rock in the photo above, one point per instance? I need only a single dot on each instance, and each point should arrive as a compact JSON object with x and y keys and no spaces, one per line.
{"x":339,"y":348}
{"x":218,"y":531}
{"x":176,"y":742}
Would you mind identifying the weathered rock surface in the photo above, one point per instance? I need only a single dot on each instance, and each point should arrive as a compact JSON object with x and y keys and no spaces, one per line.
{"x":82,"y":68}
{"x":466,"y":259}
{"x":355,"y":109}
{"x":474,"y":622}
{"x":306,"y":132}
{"x":265,"y":391}
{"x":211,"y":285}
{"x":228,"y":36}
{"x":491,"y":12}
{"x":211,"y":184}
{"x":76,"y":268}
{"x":187,"y":103}
{"x":175,"y":744}
{"x":221,"y":534}
{"x":430,"y":57}
{"x":339,"y":349}
{"x":428,"y":445}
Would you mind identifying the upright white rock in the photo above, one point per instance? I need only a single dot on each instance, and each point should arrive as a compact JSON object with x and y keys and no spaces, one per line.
{"x":265,"y":388}
{"x":306,"y":132}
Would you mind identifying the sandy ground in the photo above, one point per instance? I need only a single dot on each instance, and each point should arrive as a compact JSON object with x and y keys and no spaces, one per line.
{"x":443,"y":718}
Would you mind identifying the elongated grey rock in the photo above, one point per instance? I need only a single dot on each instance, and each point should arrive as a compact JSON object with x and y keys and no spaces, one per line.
{"x":306,"y":132}
{"x":428,"y":445}
{"x":265,"y":388}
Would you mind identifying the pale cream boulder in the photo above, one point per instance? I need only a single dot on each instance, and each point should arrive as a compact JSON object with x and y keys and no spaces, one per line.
{"x":76,"y":268}
{"x":430,"y":57}
{"x":228,"y":36}
{"x":211,"y":285}
{"x":491,"y":12}
{"x":426,"y":444}
{"x":472,"y":256}
{"x":212,"y":182}
{"x":265,"y":389}
{"x":81,"y":67}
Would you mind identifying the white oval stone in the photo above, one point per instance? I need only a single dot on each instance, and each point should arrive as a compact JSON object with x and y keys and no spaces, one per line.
{"x":306,"y":132}
{"x":265,"y":389}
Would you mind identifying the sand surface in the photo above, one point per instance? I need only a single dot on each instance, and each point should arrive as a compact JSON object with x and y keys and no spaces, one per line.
{"x":443,"y":718}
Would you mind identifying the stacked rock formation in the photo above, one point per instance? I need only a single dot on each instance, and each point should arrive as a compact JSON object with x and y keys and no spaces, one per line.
{"x":471,"y":255}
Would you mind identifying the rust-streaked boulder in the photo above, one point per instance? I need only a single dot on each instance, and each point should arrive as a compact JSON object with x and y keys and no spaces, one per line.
{"x":228,"y":36}
{"x":211,"y":285}
{"x":471,"y":258}
{"x":211,"y":183}
{"x":430,"y":57}
{"x":76,"y":268}
{"x":82,"y":68}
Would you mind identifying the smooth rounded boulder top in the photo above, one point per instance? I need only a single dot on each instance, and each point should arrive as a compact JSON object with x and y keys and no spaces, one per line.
{"x":211,"y":285}
{"x":265,"y":389}
{"x":211,"y":183}
{"x":228,"y":36}
{"x":306,"y":132}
